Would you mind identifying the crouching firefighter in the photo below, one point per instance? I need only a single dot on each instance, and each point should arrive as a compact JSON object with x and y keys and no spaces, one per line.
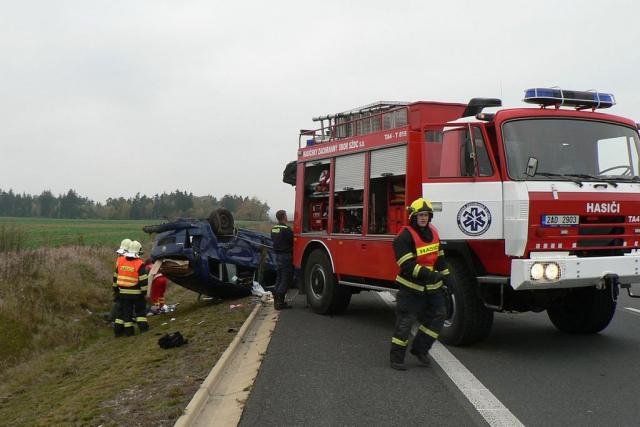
{"x":130,"y":285}
{"x":421,"y":289}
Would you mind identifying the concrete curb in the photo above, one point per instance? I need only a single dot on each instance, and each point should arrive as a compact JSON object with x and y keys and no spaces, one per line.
{"x":200,"y":398}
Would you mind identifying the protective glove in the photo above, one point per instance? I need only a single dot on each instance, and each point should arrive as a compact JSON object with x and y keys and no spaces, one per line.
{"x":446,"y":279}
{"x":434,"y":277}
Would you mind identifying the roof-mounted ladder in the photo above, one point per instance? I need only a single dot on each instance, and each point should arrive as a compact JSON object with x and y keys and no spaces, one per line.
{"x":375,"y":107}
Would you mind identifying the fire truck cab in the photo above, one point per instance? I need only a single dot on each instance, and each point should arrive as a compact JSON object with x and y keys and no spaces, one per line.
{"x":537,"y":208}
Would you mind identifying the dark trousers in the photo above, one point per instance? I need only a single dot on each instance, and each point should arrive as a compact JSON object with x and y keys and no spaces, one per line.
{"x":284,"y":278}
{"x":114,"y":310}
{"x":123,"y":323}
{"x":428,"y":309}
{"x":140,"y":312}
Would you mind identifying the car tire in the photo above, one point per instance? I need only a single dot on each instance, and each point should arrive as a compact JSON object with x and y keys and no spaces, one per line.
{"x":324,"y":294}
{"x":221,"y":221}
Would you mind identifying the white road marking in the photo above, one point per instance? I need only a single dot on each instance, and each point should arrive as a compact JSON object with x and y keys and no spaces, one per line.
{"x":635,"y":310}
{"x":491,"y":409}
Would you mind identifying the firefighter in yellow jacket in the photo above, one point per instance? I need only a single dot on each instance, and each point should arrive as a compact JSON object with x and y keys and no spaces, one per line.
{"x":420,"y":281}
{"x":130,"y":284}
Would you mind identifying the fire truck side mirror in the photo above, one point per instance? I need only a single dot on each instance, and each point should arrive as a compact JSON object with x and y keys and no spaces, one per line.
{"x":532,"y":166}
{"x":476,"y":105}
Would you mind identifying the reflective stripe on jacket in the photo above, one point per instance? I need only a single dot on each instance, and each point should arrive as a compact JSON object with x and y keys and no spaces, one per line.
{"x":131,"y":276}
{"x":426,"y":253}
{"x":423,"y":255}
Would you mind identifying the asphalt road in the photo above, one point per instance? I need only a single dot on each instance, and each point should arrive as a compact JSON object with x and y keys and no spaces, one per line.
{"x":547,"y":378}
{"x":323,"y":370}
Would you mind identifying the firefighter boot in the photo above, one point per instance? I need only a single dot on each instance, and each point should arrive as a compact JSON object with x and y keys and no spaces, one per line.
{"x":118,"y":328}
{"x":422,"y":357}
{"x":397,"y":357}
{"x":283,"y":301}
{"x":279,"y":303}
{"x":143,"y":326}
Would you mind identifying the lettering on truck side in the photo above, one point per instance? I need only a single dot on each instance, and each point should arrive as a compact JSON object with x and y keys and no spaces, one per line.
{"x":613,"y":207}
{"x":350,"y":145}
{"x":399,"y":134}
{"x":329,"y":149}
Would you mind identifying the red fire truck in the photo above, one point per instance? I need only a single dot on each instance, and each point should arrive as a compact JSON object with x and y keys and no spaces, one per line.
{"x":538,"y":208}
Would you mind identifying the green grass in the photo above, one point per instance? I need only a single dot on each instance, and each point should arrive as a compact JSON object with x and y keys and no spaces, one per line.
{"x":38,"y":232}
{"x":47,"y":295}
{"x":59,"y":361}
{"x":261,"y":226}
{"x":124,"y":381}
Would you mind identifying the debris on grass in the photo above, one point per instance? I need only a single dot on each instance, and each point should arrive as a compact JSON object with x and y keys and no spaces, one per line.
{"x":110,"y":382}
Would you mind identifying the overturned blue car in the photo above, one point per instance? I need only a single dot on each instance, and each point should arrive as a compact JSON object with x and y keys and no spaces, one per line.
{"x":212,"y":256}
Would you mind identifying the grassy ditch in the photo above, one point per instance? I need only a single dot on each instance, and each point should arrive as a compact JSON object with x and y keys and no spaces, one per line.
{"x":48,"y":297}
{"x":60,"y":364}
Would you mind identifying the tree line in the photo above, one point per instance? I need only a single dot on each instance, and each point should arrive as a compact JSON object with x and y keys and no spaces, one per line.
{"x":177,"y":204}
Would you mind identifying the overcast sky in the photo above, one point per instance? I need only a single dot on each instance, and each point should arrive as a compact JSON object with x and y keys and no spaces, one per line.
{"x":113,"y":98}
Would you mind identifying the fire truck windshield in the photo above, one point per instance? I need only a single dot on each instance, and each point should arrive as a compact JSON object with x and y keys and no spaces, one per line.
{"x":571,"y":147}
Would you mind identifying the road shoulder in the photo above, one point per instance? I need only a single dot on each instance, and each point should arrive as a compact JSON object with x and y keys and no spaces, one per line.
{"x":221,"y":397}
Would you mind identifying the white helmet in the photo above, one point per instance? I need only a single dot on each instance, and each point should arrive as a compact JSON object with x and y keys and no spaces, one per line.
{"x":124,"y":245}
{"x":134,"y":250}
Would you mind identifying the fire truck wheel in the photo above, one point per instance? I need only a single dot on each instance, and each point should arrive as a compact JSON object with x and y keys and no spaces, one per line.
{"x":469,"y":320}
{"x":584,"y":310}
{"x":221,"y":222}
{"x":324,"y":295}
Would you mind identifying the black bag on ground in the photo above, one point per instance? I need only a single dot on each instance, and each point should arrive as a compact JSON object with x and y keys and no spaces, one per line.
{"x":174,"y":339}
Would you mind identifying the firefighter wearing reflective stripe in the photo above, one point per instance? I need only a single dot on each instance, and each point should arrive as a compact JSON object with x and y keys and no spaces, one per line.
{"x":420,"y":281}
{"x":130,"y":285}
{"x":140,"y":305}
{"x":124,"y":245}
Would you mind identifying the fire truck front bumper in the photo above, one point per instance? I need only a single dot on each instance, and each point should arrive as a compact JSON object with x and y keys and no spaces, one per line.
{"x":551,"y":271}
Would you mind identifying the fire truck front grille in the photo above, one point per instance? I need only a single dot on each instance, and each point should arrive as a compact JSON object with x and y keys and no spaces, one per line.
{"x":588,"y":243}
{"x":601,"y":219}
{"x":600,"y":231}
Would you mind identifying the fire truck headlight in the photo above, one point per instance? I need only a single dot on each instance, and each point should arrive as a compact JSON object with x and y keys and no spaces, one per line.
{"x":552,"y":271}
{"x":537,"y":271}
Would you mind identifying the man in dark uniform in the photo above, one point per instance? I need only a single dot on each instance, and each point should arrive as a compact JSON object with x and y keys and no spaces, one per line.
{"x":282,"y":237}
{"x":420,"y":281}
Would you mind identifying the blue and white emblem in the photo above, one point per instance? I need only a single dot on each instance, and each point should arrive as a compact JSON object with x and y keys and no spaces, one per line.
{"x":474,"y":219}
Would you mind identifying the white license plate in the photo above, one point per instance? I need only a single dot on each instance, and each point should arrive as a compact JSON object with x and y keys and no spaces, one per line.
{"x":561,"y":220}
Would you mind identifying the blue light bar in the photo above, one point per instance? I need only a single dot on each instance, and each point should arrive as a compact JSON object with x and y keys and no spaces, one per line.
{"x":578,"y":99}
